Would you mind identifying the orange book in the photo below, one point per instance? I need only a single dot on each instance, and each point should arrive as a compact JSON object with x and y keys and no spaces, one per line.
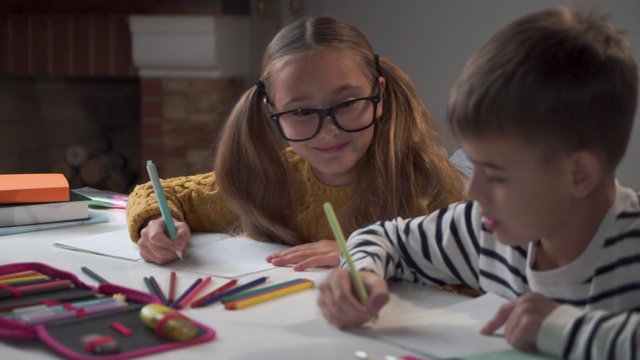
{"x":33,"y":188}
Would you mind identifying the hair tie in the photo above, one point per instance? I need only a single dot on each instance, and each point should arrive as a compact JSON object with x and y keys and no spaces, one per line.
{"x":376,"y":59}
{"x":261,"y":87}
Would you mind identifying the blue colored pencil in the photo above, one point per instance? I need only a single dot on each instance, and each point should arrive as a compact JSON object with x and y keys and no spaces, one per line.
{"x":175,"y":303}
{"x":162,"y":203}
{"x":234,"y":291}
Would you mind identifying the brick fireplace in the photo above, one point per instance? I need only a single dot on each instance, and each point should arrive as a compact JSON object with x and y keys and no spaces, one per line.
{"x":95,"y":96}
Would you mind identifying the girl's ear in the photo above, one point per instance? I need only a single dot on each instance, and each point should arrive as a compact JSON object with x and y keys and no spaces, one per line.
{"x":587,"y":172}
{"x":383,"y":85}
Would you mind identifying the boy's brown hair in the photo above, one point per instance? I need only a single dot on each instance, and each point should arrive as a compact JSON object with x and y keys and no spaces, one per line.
{"x":557,"y":78}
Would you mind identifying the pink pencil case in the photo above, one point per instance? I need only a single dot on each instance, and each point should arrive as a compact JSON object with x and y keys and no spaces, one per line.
{"x":133,"y":337}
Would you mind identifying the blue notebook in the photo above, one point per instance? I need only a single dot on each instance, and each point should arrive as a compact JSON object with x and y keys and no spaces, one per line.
{"x":94,"y":218}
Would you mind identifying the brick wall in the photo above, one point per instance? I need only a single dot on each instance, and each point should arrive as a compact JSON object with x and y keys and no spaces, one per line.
{"x":181,"y":119}
{"x":68,"y":80}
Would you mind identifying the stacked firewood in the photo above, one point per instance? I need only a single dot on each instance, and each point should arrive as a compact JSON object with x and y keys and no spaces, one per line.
{"x":96,"y":165}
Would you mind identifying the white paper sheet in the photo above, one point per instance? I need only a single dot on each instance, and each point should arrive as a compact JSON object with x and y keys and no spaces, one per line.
{"x":226,"y":257}
{"x":207,"y":253}
{"x":447,"y":332}
{"x":115,"y":244}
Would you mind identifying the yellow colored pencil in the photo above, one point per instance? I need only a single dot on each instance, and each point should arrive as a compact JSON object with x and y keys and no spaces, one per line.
{"x":243,"y":303}
{"x":25,"y":278}
{"x":19,"y":274}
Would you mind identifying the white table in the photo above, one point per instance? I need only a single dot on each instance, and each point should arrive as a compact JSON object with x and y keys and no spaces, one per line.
{"x":287,"y":328}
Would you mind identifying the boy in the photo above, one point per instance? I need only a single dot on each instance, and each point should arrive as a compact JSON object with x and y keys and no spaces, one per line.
{"x":544,"y":111}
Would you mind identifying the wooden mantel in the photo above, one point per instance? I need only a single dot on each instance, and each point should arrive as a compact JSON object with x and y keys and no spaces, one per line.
{"x":125,"y":7}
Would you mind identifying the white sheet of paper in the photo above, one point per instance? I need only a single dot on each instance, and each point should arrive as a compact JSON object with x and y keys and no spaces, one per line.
{"x":213,"y":254}
{"x":226,"y":257}
{"x":115,"y":244}
{"x":446,"y":332}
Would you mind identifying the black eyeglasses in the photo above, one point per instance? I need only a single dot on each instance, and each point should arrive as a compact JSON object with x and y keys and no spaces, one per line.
{"x":350,"y":116}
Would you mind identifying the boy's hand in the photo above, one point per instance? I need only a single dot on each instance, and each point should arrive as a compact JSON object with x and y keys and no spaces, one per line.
{"x":340,"y":304}
{"x":155,"y":245}
{"x":306,"y":256}
{"x":522,"y":319}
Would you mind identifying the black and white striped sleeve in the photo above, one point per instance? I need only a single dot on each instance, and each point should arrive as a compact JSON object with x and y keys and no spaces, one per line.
{"x":438,"y":249}
{"x":595,"y":334}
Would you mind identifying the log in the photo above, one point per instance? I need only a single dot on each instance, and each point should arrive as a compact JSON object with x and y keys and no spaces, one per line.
{"x":78,"y":154}
{"x":120,"y":181}
{"x":94,"y":171}
{"x":69,"y":172}
{"x":65,"y":169}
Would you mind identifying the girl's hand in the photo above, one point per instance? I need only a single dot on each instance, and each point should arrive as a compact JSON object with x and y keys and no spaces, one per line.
{"x":316,"y":254}
{"x":155,"y":245}
{"x":522,"y":319}
{"x":340,"y":304}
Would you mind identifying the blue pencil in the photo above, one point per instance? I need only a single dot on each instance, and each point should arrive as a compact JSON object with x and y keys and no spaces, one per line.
{"x":162,"y":202}
{"x":233,"y":291}
{"x":175,"y":303}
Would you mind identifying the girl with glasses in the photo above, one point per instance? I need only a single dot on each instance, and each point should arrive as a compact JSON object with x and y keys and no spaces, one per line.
{"x":328,"y":121}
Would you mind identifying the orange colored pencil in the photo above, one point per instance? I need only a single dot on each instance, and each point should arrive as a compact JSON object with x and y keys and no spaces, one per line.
{"x":19,"y":274}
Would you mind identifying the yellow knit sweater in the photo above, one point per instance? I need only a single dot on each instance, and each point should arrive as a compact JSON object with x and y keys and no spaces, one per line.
{"x":197,"y":201}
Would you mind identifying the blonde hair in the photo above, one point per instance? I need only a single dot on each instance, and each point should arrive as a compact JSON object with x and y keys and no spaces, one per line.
{"x":404,"y":172}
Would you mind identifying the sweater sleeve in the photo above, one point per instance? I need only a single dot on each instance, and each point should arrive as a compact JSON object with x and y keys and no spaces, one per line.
{"x":195,"y":200}
{"x":595,"y":334}
{"x":432,"y":249}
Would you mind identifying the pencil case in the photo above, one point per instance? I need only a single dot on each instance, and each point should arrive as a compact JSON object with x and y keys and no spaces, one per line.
{"x":118,"y":332}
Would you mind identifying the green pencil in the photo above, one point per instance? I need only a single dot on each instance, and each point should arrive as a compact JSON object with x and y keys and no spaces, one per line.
{"x":342,"y":243}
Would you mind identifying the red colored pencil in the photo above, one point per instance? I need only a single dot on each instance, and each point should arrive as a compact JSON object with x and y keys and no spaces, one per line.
{"x":8,"y":292}
{"x":194,"y":292}
{"x":221,"y":289}
{"x":172,"y":288}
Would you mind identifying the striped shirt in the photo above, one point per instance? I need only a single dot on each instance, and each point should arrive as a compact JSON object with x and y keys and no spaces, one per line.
{"x":599,"y":291}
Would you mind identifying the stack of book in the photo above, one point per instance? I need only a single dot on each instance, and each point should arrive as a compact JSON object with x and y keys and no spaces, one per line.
{"x":31,"y":199}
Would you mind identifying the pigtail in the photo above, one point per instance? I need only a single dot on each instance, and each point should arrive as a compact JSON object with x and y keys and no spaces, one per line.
{"x":406,"y":168}
{"x":252,"y":173}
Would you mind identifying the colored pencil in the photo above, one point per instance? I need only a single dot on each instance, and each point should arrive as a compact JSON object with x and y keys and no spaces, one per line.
{"x":246,"y":294}
{"x":183,"y":303}
{"x":19,"y":274}
{"x":175,"y":303}
{"x":162,"y":202}
{"x":337,"y":232}
{"x":197,"y":302}
{"x":270,"y":295}
{"x":150,"y":287}
{"x":18,"y":291}
{"x":93,"y":275}
{"x":171,"y":296}
{"x":27,"y":281}
{"x":18,"y":279}
{"x":25,"y":313}
{"x":73,"y":313}
{"x":157,"y":289}
{"x":64,"y":295}
{"x":233,"y":291}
